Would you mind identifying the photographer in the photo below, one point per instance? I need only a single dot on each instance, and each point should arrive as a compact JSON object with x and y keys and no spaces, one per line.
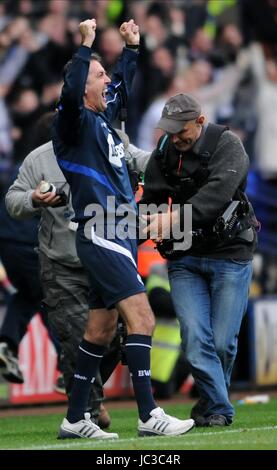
{"x":204,"y":166}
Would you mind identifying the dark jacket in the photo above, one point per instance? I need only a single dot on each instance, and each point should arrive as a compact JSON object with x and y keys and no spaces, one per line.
{"x":227,"y":166}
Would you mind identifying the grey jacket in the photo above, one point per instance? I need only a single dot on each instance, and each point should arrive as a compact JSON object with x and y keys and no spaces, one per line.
{"x":56,"y":231}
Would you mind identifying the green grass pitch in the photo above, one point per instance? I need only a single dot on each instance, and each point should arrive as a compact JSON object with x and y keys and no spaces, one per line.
{"x":255,"y":427}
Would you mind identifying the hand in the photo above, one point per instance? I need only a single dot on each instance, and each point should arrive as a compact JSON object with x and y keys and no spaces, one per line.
{"x":87,"y":29}
{"x":44,"y":200}
{"x":130,"y":32}
{"x":158,"y":226}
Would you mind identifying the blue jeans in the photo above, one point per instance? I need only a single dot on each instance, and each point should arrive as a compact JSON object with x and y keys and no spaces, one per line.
{"x":210,"y":298}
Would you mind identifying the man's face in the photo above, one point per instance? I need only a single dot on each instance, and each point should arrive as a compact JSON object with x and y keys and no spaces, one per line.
{"x":96,"y":87}
{"x":186,"y":138}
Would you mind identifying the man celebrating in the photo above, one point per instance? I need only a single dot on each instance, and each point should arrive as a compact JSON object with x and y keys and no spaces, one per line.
{"x":204,"y":166}
{"x":90,"y":154}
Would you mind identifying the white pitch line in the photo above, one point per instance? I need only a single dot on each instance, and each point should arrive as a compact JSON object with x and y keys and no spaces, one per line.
{"x":91,"y":442}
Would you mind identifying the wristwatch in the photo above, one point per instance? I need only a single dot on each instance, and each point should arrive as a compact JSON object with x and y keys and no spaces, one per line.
{"x":132,"y":46}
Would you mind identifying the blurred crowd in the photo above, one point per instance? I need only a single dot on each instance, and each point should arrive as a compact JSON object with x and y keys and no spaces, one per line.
{"x":222,"y":52}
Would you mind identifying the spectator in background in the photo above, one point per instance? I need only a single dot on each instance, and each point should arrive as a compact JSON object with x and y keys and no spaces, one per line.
{"x":13,"y":57}
{"x":214,"y":91}
{"x":26,"y":109}
{"x":228,"y":42}
{"x":259,"y":21}
{"x":155,"y":34}
{"x":6,"y":146}
{"x":265,"y":181}
{"x":58,"y":8}
{"x":30,"y":9}
{"x":110,"y":46}
{"x":201,"y":45}
{"x":265,"y":72}
{"x":148,"y":135}
{"x":15,"y":50}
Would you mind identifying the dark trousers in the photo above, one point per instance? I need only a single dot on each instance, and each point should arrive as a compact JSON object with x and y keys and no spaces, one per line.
{"x":21,"y":263}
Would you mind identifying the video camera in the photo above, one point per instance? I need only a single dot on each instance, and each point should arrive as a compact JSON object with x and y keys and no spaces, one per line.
{"x":226,"y":227}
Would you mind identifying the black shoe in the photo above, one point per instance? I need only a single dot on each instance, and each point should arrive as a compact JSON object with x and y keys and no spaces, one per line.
{"x":198,"y":411}
{"x":9,"y":366}
{"x":212,"y":420}
{"x":216,"y":420}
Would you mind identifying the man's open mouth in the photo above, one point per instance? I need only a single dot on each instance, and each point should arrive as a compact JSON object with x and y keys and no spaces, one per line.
{"x":104,"y":92}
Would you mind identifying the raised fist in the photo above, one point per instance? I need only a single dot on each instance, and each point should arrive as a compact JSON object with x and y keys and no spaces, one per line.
{"x":130,"y":32}
{"x":87,"y":29}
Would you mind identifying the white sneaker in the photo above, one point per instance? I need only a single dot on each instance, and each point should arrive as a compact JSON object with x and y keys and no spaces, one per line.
{"x":83,"y":428}
{"x":163,"y":425}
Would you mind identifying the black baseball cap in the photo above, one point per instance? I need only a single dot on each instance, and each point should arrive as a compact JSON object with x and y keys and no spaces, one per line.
{"x":177,"y":110}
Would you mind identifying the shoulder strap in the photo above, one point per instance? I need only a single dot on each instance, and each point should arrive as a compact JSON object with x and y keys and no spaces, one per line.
{"x":162,"y":144}
{"x":161,"y":151}
{"x":211,"y":138}
{"x":208,"y":146}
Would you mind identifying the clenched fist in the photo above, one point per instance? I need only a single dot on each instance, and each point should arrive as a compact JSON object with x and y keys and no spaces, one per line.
{"x":130,"y":32}
{"x":87,"y":29}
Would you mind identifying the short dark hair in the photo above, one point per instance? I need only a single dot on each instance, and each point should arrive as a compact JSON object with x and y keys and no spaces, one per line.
{"x":94,"y":56}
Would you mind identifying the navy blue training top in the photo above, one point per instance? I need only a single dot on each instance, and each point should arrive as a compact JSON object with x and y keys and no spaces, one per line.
{"x":88,"y":150}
